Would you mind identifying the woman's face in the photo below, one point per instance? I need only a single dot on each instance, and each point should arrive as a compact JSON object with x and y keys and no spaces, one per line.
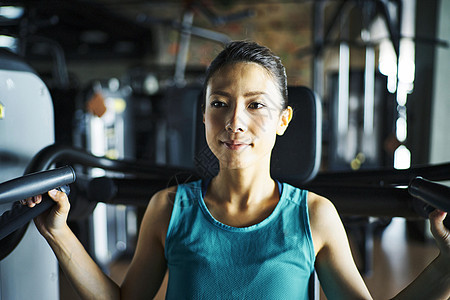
{"x":243,"y":114}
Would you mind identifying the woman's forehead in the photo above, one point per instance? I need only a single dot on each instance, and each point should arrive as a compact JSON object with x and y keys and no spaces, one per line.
{"x":240,"y":66}
{"x":247,"y":74}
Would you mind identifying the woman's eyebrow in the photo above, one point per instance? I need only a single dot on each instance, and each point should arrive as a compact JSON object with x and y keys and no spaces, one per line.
{"x":255,"y":93}
{"x":246,"y":95}
{"x":220,"y":93}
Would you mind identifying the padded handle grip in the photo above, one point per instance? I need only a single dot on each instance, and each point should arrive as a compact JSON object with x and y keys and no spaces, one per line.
{"x":20,"y":215}
{"x":433,"y":194}
{"x":35,"y":184}
{"x":28,"y":186}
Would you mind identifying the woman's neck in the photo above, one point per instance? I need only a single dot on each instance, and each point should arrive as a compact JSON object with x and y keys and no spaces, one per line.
{"x":242,"y":187}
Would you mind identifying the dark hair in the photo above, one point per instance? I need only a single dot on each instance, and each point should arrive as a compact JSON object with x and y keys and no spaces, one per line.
{"x":245,"y":51}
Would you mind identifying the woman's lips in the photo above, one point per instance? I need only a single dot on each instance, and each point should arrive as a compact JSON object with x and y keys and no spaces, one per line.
{"x":235,"y":145}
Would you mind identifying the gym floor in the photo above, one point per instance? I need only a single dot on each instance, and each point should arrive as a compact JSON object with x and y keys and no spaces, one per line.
{"x":397,"y":260}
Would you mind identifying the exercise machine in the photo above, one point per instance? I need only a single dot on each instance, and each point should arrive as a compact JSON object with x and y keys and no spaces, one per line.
{"x":26,"y":126}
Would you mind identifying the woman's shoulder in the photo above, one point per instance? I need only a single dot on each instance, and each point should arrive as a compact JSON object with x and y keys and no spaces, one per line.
{"x":319,"y":204}
{"x":158,"y":212}
{"x":163,"y":199}
{"x":321,"y":209}
{"x":323,"y":217}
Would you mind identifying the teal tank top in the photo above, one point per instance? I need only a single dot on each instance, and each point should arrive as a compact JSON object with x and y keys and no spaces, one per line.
{"x":207,"y":259}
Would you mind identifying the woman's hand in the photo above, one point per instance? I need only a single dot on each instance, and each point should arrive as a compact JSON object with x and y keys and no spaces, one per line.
{"x":55,"y":219}
{"x":440,"y":232}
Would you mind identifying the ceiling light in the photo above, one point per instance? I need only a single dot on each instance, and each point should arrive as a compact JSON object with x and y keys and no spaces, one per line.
{"x":11,"y":12}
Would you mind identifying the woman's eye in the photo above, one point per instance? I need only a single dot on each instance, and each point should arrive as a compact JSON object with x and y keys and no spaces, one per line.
{"x":256,"y":105}
{"x":217,"y":104}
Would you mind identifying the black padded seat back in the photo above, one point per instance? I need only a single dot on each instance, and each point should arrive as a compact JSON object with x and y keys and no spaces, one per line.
{"x":296,"y":155}
{"x":181,"y":113}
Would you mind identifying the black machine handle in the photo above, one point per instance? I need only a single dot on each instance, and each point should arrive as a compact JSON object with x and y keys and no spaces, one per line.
{"x":20,"y":215}
{"x":433,"y":194}
{"x":35,"y":184}
{"x":28,"y":186}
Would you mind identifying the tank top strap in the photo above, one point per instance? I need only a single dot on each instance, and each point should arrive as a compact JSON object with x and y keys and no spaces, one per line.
{"x":205,"y":184}
{"x":280,"y":186}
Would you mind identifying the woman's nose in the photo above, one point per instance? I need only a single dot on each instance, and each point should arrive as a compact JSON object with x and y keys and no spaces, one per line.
{"x":237,"y":122}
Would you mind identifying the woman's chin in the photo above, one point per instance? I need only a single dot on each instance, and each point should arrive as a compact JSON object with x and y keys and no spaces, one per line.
{"x":236,"y":164}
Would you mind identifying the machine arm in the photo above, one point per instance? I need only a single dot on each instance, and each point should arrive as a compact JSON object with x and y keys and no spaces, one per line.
{"x":28,"y":186}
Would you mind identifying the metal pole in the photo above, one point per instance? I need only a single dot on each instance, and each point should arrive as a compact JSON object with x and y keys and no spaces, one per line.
{"x":183,"y":50}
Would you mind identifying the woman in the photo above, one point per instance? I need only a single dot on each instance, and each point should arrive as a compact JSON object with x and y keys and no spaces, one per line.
{"x":242,"y":235}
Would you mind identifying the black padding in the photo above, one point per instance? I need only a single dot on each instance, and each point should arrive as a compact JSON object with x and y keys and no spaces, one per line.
{"x":181,"y":112}
{"x":20,"y":215}
{"x":296,"y":155}
{"x":10,"y":242}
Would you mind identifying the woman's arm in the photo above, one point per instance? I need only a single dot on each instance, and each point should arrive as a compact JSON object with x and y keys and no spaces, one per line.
{"x":146,"y":271}
{"x":434,"y":281}
{"x":84,"y":274}
{"x":149,"y":265}
{"x":335,"y":267}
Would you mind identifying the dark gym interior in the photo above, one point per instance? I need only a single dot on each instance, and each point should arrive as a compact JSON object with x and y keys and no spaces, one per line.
{"x":112,"y":88}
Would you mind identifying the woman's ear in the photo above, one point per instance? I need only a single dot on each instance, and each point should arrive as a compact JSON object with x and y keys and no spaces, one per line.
{"x":203,"y":112}
{"x":285,"y":118}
